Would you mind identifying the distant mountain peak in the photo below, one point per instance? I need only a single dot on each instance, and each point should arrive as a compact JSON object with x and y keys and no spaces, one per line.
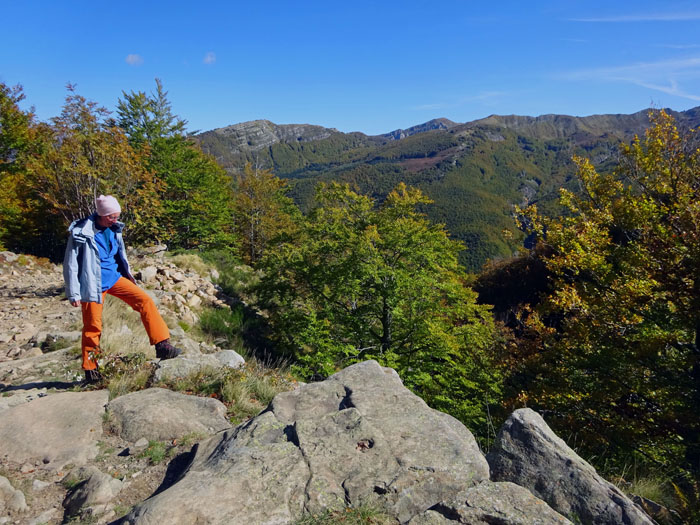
{"x":255,"y":135}
{"x":436,"y":123}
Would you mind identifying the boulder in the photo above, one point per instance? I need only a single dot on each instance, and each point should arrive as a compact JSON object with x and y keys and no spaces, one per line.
{"x":359,"y":436}
{"x":528,"y":453}
{"x":97,"y":488}
{"x":230,"y":358}
{"x":183,"y":366}
{"x":163,"y":415}
{"x":53,"y":430}
{"x":489,"y":503}
{"x":11,"y":499}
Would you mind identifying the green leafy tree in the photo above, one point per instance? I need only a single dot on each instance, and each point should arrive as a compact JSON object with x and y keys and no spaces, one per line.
{"x":195,"y":190}
{"x":620,"y":363}
{"x":262,"y":211}
{"x":147,"y":118}
{"x":85,"y":156}
{"x":18,"y":139}
{"x":363,"y":282}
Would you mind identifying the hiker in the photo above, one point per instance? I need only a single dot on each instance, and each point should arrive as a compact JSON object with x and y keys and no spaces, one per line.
{"x":95,"y":264}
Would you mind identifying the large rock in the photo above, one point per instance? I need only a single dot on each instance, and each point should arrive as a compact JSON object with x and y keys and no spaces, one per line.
{"x":11,"y":499}
{"x":54,"y":430}
{"x":359,"y":436}
{"x":489,"y":503}
{"x":171,"y":369}
{"x":528,"y":453}
{"x":163,"y":415}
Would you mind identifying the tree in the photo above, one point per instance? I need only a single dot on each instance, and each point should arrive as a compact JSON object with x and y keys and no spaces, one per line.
{"x":261,"y":211}
{"x":18,"y":139}
{"x":146,"y":119}
{"x":195,"y":191}
{"x":359,"y":282}
{"x":621,"y":363}
{"x":84,"y":156}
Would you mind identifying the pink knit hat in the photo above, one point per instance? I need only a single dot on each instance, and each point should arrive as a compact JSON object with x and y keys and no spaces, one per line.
{"x":107,"y":205}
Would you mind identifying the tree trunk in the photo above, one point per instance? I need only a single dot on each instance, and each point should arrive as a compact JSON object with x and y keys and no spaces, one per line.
{"x":386,"y":326}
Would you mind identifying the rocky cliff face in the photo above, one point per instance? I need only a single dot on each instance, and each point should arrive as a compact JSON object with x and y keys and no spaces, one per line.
{"x":438,"y":123}
{"x":259,"y":134}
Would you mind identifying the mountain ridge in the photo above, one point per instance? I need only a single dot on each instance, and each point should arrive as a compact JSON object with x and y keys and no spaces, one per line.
{"x":594,"y":123}
{"x":475,"y":172}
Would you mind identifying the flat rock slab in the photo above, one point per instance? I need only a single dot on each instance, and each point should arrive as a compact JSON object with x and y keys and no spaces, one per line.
{"x":163,"y":415}
{"x":54,"y":430}
{"x":489,"y":503}
{"x":360,"y":436}
{"x":527,"y":452}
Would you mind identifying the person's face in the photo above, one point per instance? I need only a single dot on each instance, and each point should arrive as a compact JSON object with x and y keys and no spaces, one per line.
{"x":105,"y":221}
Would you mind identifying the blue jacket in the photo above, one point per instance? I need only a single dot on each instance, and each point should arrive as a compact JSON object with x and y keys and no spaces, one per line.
{"x":81,"y":265}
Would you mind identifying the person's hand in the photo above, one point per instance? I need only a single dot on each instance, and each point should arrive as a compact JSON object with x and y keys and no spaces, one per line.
{"x":131,"y":278}
{"x":75,"y":303}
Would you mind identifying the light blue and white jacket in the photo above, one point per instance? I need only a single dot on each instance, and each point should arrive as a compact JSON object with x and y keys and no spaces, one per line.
{"x":81,"y":265}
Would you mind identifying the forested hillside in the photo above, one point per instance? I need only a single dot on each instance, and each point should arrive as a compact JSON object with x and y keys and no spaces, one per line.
{"x":475,"y":173}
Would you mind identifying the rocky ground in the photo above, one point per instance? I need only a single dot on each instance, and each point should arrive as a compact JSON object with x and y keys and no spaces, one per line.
{"x":151,"y":455}
{"x":40,"y":363}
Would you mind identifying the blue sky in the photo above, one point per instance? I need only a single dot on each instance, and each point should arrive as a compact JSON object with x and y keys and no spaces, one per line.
{"x":370,"y":66}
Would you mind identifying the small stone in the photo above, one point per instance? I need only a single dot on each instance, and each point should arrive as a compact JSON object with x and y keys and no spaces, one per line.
{"x":141,"y":443}
{"x":194,"y":301}
{"x":39,"y":485}
{"x":147,"y":274}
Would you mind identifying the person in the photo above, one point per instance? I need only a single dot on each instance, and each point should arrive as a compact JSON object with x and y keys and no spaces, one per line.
{"x":95,"y":264}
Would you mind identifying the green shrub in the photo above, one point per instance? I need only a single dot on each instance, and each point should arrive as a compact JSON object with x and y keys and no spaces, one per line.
{"x":223,"y":323}
{"x":124,"y":374}
{"x":156,"y":451}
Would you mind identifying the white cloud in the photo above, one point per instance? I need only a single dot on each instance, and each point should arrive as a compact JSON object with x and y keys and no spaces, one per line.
{"x":658,"y":17}
{"x":679,"y":46}
{"x":663,"y":76}
{"x":134,"y":60}
{"x":209,"y":58}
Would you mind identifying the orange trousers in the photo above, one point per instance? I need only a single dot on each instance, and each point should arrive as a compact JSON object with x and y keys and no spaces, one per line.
{"x":135,"y":297}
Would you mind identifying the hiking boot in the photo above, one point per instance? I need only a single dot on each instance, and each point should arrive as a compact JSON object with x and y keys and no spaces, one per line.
{"x":92,"y":377}
{"x":164,"y":350}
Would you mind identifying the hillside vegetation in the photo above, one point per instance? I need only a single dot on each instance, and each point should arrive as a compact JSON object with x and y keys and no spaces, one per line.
{"x":475,"y":173}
